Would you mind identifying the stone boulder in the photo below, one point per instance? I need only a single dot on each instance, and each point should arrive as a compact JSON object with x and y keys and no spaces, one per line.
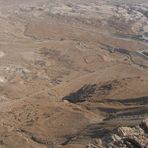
{"x":144,"y":125}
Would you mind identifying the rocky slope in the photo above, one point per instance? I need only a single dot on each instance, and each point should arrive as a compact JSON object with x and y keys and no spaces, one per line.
{"x":127,"y":137}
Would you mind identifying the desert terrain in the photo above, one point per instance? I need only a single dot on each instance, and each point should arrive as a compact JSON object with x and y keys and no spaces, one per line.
{"x":73,"y":73}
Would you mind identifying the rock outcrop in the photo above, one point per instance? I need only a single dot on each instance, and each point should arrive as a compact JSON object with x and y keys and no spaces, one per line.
{"x":125,"y":137}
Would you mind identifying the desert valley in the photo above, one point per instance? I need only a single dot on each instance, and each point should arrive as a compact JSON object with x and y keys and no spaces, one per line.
{"x":73,"y":73}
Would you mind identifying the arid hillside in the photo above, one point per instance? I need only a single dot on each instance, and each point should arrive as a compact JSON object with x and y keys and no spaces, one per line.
{"x":73,"y":73}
